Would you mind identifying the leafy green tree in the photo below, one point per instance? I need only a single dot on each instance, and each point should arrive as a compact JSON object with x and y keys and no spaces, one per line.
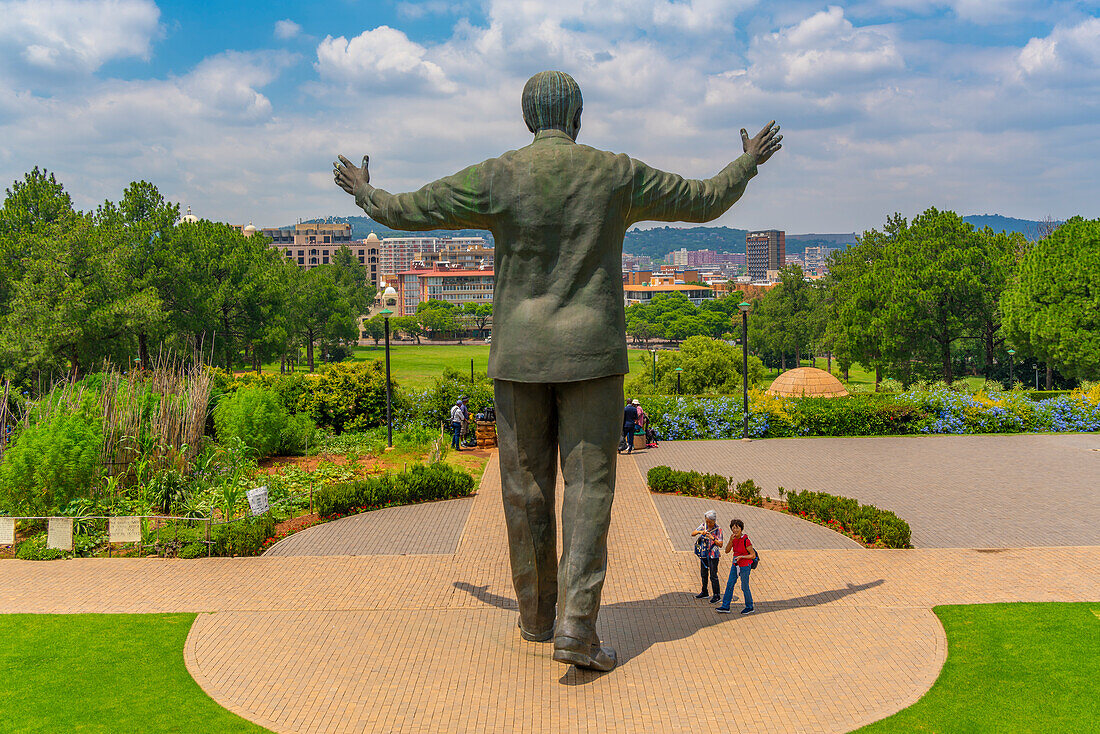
{"x":375,"y":328}
{"x":706,"y":366}
{"x":1052,"y":307}
{"x":322,"y":308}
{"x":30,"y":205}
{"x":480,"y":314}
{"x":227,"y":291}
{"x":143,"y":222}
{"x":436,"y":317}
{"x":351,"y":277}
{"x":408,"y":325}
{"x":69,"y":309}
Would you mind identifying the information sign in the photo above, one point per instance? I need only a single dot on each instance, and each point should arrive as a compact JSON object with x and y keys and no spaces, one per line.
{"x":257,"y":500}
{"x":124,"y":530}
{"x":59,"y":533}
{"x":7,"y":530}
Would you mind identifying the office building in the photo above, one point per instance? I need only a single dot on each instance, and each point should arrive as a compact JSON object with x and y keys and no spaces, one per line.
{"x":764,"y":251}
{"x":442,"y":284}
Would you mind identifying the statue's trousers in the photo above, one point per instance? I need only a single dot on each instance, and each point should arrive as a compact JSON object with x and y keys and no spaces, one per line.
{"x":581,"y":421}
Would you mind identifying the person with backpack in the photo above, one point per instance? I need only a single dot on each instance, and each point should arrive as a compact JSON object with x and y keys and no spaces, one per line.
{"x":708,"y":547}
{"x":630,"y":423}
{"x":745,"y":560}
{"x":458,"y":417}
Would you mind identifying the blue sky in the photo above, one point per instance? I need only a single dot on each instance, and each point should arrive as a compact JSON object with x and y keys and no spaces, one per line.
{"x":238,"y":108}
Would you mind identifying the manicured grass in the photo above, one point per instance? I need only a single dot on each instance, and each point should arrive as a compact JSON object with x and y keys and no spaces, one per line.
{"x":103,"y":673}
{"x":1011,"y":668}
{"x":416,"y":365}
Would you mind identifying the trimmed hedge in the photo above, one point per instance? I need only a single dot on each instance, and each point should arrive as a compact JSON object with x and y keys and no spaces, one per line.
{"x":422,"y":483}
{"x":874,"y":526}
{"x":697,"y":484}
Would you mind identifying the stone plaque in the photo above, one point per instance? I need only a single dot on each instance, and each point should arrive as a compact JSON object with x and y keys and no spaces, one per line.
{"x":124,"y":529}
{"x":59,"y":533}
{"x":7,"y":530}
{"x":257,"y":500}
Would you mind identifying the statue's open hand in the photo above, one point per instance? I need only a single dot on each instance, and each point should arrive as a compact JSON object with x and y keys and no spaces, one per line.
{"x":764,"y":144}
{"x":349,"y":176}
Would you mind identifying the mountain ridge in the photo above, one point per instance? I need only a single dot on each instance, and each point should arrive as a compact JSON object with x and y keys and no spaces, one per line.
{"x":658,"y":241}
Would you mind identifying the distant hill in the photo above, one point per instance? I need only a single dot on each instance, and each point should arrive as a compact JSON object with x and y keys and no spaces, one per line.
{"x":656,"y":242}
{"x":1031,"y":228}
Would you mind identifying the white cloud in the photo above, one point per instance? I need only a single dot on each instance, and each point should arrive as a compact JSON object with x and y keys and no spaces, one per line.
{"x":286,"y":29}
{"x":824,"y":49}
{"x":380,"y":58}
{"x":62,"y":35}
{"x":874,"y":121}
{"x":1070,"y":55}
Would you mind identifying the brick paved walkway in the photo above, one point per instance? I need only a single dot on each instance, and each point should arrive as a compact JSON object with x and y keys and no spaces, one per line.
{"x":955,"y":491}
{"x":428,"y":643}
{"x":389,"y":531}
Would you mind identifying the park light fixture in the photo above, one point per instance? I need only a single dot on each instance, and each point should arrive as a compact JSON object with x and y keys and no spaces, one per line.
{"x":389,"y":298}
{"x":744,"y":307}
{"x":1011,"y":364}
{"x":678,"y":371}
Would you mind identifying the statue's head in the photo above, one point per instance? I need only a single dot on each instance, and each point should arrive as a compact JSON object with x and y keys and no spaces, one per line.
{"x":552,"y":101}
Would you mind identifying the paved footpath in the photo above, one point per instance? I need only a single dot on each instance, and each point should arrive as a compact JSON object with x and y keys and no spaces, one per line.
{"x":428,"y":643}
{"x":955,"y":491}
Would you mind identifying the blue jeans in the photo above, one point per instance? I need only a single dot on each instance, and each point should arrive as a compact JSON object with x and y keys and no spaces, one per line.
{"x":736,"y":571}
{"x":456,"y":427}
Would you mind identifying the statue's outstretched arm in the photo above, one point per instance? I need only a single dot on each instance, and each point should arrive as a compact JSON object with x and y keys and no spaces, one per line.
{"x":453,"y":202}
{"x":669,"y":197}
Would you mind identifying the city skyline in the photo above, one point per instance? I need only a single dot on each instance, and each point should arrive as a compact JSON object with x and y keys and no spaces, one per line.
{"x":238,"y":109}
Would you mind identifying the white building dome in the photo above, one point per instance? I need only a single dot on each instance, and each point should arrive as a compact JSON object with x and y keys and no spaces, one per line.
{"x":249,"y":229}
{"x":188,"y":217}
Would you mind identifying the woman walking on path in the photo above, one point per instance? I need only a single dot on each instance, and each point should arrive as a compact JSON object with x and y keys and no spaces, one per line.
{"x":709,"y":549}
{"x":740,"y":544}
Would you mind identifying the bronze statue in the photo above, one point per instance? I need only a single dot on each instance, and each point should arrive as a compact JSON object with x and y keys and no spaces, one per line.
{"x":558,"y":212}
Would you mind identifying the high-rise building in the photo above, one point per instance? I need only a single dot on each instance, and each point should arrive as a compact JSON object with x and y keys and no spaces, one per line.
{"x":764,"y":251}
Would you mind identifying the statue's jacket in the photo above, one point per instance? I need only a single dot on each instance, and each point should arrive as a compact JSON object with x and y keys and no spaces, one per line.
{"x":558,"y":212}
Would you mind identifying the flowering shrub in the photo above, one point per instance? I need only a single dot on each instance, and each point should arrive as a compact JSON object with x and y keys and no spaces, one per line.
{"x":935,"y":409}
{"x":872,"y":525}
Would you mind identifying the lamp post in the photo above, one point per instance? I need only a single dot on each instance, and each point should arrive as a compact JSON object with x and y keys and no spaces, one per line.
{"x":744,"y":308}
{"x":678,"y":371}
{"x":389,"y":298}
{"x":1011,"y":377}
{"x":654,"y":353}
{"x":1036,"y":368}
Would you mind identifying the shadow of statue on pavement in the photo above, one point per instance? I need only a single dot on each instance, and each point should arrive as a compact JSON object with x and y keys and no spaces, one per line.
{"x":636,"y":634}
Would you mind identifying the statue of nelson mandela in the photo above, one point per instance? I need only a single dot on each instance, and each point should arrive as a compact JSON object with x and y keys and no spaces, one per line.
{"x":558,"y":211}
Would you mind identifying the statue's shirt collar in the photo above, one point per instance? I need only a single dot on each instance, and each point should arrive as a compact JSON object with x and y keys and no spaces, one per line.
{"x":548,"y":134}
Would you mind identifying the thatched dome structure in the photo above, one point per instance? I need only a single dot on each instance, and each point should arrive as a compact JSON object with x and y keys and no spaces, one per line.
{"x":807,"y":382}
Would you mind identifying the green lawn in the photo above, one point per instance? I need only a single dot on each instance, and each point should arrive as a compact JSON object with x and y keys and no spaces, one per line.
{"x":416,"y":365}
{"x":1011,"y":668}
{"x":103,"y":673}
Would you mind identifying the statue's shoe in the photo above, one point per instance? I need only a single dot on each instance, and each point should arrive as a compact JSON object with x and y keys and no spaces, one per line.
{"x":584,"y":655}
{"x":544,"y":636}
